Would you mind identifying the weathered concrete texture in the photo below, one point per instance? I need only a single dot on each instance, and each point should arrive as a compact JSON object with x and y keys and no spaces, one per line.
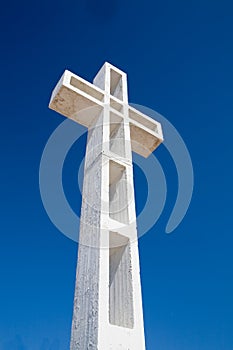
{"x":108,"y":303}
{"x":86,"y":301}
{"x":120,"y":283}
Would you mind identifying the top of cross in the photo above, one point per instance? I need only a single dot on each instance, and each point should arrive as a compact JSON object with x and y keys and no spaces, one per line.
{"x":74,"y":95}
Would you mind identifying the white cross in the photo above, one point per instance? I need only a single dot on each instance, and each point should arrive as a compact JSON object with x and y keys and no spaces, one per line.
{"x":107,"y":304}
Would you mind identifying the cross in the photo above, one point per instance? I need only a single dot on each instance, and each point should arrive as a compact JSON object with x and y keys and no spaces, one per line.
{"x":107,"y":312}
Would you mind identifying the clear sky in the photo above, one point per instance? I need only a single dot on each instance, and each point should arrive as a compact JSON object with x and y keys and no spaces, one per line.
{"x":179,"y":60}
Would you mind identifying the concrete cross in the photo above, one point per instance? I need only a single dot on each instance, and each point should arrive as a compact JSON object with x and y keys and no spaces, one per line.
{"x":107,"y":304}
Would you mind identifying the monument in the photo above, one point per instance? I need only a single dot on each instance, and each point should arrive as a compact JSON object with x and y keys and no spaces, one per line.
{"x":107,"y":311}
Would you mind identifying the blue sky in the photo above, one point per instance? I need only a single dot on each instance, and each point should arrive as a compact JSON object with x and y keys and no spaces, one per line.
{"x":178,"y":56}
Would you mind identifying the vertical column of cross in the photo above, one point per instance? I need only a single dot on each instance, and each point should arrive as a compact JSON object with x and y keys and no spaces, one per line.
{"x":107,"y":306}
{"x":120,"y":308}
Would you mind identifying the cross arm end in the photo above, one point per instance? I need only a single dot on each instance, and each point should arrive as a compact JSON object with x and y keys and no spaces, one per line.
{"x":73,"y":97}
{"x":146,"y":133}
